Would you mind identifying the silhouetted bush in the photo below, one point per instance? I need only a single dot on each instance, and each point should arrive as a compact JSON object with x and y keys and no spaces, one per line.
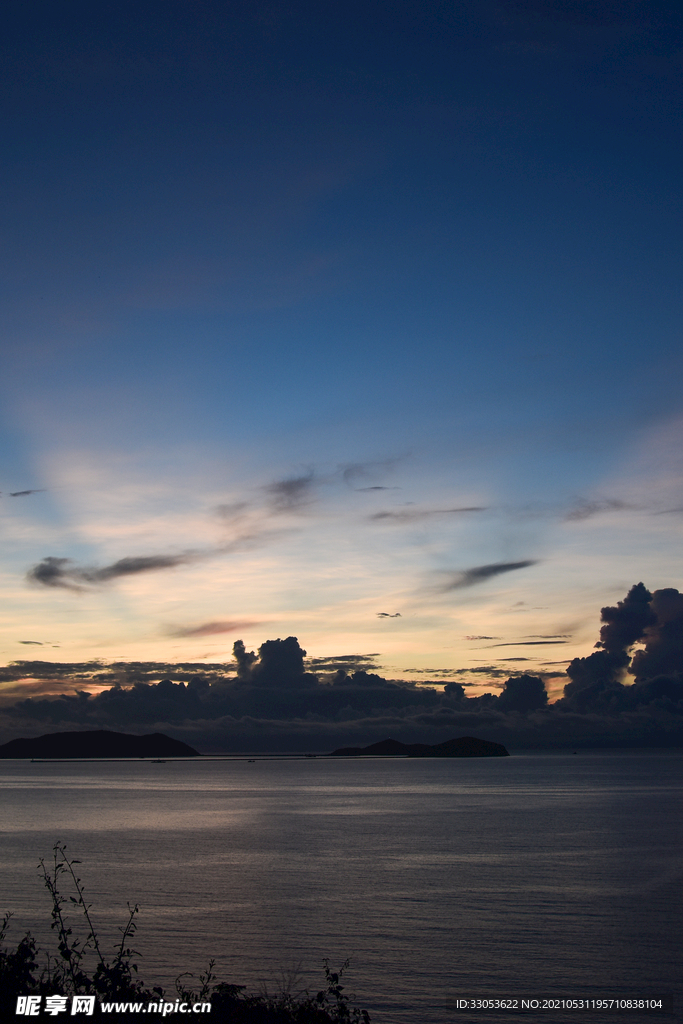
{"x":27,"y":971}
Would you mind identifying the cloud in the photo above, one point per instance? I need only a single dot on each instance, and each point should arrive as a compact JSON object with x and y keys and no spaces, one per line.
{"x":208,"y":628}
{"x":388,"y":615}
{"x":627,"y":621}
{"x":484,"y":670}
{"x":588,"y":509}
{"x":290,"y":494}
{"x":278,"y":663}
{"x":481,"y":573}
{"x":347,"y":662}
{"x":410,"y":515}
{"x":277,"y":698}
{"x":271,"y":700}
{"x":61,"y":572}
{"x":663,"y":653}
{"x":437,"y":673}
{"x":21,"y":494}
{"x":52,"y":572}
{"x":234,"y":511}
{"x":597,"y":681}
{"x":526,"y":643}
{"x":523,"y":693}
{"x":36,"y":643}
{"x":356,"y":472}
{"x":481,"y":638}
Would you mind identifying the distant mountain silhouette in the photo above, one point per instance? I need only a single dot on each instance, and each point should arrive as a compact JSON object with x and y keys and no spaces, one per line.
{"x":466,"y":746}
{"x":99,"y":743}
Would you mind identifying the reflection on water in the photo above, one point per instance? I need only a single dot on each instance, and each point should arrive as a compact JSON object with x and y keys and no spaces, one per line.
{"x":545,"y":873}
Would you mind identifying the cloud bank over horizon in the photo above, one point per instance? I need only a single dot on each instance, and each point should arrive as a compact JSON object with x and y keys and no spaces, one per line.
{"x":277,"y":699}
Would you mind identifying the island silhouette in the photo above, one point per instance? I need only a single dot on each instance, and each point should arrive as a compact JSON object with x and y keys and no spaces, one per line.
{"x":466,"y":746}
{"x":99,"y":743}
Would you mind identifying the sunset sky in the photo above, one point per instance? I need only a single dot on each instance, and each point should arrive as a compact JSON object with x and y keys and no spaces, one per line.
{"x":354,"y":322}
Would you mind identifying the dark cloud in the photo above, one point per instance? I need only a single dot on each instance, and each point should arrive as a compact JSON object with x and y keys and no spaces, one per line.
{"x":663,"y":653}
{"x":52,"y":572}
{"x":293,"y":493}
{"x":245,"y":660}
{"x":388,"y":615}
{"x":588,"y":509}
{"x":482,"y":638}
{"x":135,"y":565}
{"x":435,"y":673}
{"x":281,"y":663}
{"x":209,"y":628}
{"x":21,"y":494}
{"x":357,"y":472}
{"x":277,"y":699}
{"x":627,"y":621}
{"x":483,"y":670}
{"x":363,"y":680}
{"x":278,"y":663}
{"x":481,"y":573}
{"x":523,"y":693}
{"x":36,"y":643}
{"x":345,"y":661}
{"x":61,"y":572}
{"x":597,"y":681}
{"x":412,"y":515}
{"x":526,"y":643}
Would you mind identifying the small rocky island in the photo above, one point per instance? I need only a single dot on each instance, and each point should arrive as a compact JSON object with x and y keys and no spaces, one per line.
{"x":96,"y":744}
{"x":466,"y":746}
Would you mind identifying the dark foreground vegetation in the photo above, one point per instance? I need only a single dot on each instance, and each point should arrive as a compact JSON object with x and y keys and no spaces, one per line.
{"x":80,"y":967}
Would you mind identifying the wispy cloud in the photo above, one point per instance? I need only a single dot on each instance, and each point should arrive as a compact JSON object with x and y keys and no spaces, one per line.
{"x":412,"y":515}
{"x":588,"y":509}
{"x":62,"y":572}
{"x":345,"y":661}
{"x":208,"y":628}
{"x":481,"y":573}
{"x":293,"y":493}
{"x":248,"y":532}
{"x":354,"y":473}
{"x":526,"y":643}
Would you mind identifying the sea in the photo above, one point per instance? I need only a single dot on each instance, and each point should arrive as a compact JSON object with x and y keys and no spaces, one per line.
{"x":447,"y":883}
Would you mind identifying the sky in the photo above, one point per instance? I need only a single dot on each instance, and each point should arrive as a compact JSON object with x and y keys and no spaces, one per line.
{"x":356,"y":323}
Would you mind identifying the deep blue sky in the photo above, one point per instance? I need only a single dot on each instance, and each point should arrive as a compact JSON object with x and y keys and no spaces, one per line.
{"x":253,"y":242}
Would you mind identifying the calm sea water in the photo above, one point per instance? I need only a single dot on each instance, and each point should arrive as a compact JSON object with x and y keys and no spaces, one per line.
{"x":557,"y":874}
